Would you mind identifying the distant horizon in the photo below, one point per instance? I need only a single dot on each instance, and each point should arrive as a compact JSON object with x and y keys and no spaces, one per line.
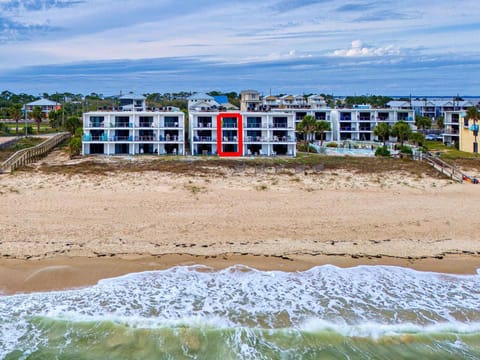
{"x":108,"y":95}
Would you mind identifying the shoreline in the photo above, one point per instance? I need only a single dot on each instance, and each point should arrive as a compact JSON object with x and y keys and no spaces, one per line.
{"x":63,"y":273}
{"x":65,"y":229}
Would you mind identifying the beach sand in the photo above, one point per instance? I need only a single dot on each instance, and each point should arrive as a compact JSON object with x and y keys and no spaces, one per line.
{"x":63,"y":230}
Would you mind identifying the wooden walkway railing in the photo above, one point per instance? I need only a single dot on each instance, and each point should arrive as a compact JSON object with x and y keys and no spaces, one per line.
{"x":27,"y":156}
{"x":445,"y":168}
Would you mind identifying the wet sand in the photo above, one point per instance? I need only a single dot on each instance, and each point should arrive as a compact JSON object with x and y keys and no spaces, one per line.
{"x":24,"y":276}
{"x":62,"y":230}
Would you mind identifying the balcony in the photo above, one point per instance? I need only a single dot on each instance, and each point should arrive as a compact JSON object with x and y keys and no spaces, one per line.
{"x":230,"y":139}
{"x":280,"y":125}
{"x":145,"y":138}
{"x":146,"y":124}
{"x":451,"y":132}
{"x":121,"y":124}
{"x":168,"y":138}
{"x":207,"y":125}
{"x":171,"y":124}
{"x":204,"y":139}
{"x":284,"y":138}
{"x":256,"y":139}
{"x":96,"y":125}
{"x":121,"y":138}
{"x":254,"y":125}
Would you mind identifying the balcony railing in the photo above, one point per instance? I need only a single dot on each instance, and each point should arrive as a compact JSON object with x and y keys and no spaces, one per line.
{"x":254,"y":125}
{"x":145,"y":138}
{"x":147,"y":124}
{"x":230,"y":138}
{"x":207,"y":125}
{"x":121,"y":124}
{"x":171,"y":124}
{"x":283,"y":139}
{"x":203,"y":139}
{"x":96,"y":125}
{"x":168,"y":138}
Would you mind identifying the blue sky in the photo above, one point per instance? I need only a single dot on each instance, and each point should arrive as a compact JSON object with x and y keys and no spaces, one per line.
{"x":296,"y":46}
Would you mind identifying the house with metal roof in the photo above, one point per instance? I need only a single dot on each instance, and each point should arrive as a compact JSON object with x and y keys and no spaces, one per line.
{"x":45,"y":104}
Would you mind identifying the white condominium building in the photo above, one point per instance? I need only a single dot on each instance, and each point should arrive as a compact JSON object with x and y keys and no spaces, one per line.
{"x":242,"y":133}
{"x":133,"y":132}
{"x":358,"y":124}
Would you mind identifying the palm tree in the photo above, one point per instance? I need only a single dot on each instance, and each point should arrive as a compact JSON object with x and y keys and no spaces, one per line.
{"x":382,"y":131}
{"x":473,"y":114}
{"x":321,"y":127}
{"x":307,"y":127}
{"x":16,"y":114}
{"x":401,"y":130}
{"x":37,"y":115}
{"x":423,"y":122}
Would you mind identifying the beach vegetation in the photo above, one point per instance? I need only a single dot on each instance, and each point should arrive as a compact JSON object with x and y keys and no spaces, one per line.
{"x":321,"y":127}
{"x":307,"y":127}
{"x":401,"y":130}
{"x":332,"y":145}
{"x":406,"y":150}
{"x":23,"y":143}
{"x":423,"y":122}
{"x":382,"y":131}
{"x":75,"y":146}
{"x":4,"y":129}
{"x":37,"y":115}
{"x":440,"y":122}
{"x":417,"y":138}
{"x":55,"y":118}
{"x":15,"y":113}
{"x":72,"y":124}
{"x":382,"y":151}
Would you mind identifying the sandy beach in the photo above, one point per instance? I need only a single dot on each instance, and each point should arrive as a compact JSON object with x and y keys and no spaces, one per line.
{"x":66,"y":230}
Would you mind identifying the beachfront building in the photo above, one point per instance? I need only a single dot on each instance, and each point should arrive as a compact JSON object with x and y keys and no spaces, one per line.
{"x":247,"y":133}
{"x":133,"y":132}
{"x":358,"y":124}
{"x":132,"y":102}
{"x":45,"y":104}
{"x":467,"y":133}
{"x":250,"y":100}
{"x":431,"y":108}
{"x":453,"y":121}
{"x":320,"y":114}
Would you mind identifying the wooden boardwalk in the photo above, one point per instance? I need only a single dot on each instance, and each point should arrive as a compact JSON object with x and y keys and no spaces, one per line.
{"x":27,"y":156}
{"x":448,"y":169}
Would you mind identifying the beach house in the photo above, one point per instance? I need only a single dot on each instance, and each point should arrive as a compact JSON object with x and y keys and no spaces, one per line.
{"x":45,"y":104}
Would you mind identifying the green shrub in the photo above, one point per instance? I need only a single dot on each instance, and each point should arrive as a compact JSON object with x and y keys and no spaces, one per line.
{"x":382,"y":151}
{"x":75,"y":146}
{"x":332,"y":145}
{"x":406,"y":150}
{"x":29,"y":130}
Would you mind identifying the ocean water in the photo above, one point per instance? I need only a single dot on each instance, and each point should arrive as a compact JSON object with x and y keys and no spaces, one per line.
{"x":366,"y":312}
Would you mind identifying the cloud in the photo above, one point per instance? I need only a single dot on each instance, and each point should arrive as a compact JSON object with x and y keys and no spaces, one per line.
{"x":359,"y":50}
{"x":291,"y":5}
{"x":353,"y":7}
{"x":36,"y":5}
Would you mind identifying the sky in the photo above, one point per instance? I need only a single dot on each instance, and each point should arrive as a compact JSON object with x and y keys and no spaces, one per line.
{"x":390,"y":47}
